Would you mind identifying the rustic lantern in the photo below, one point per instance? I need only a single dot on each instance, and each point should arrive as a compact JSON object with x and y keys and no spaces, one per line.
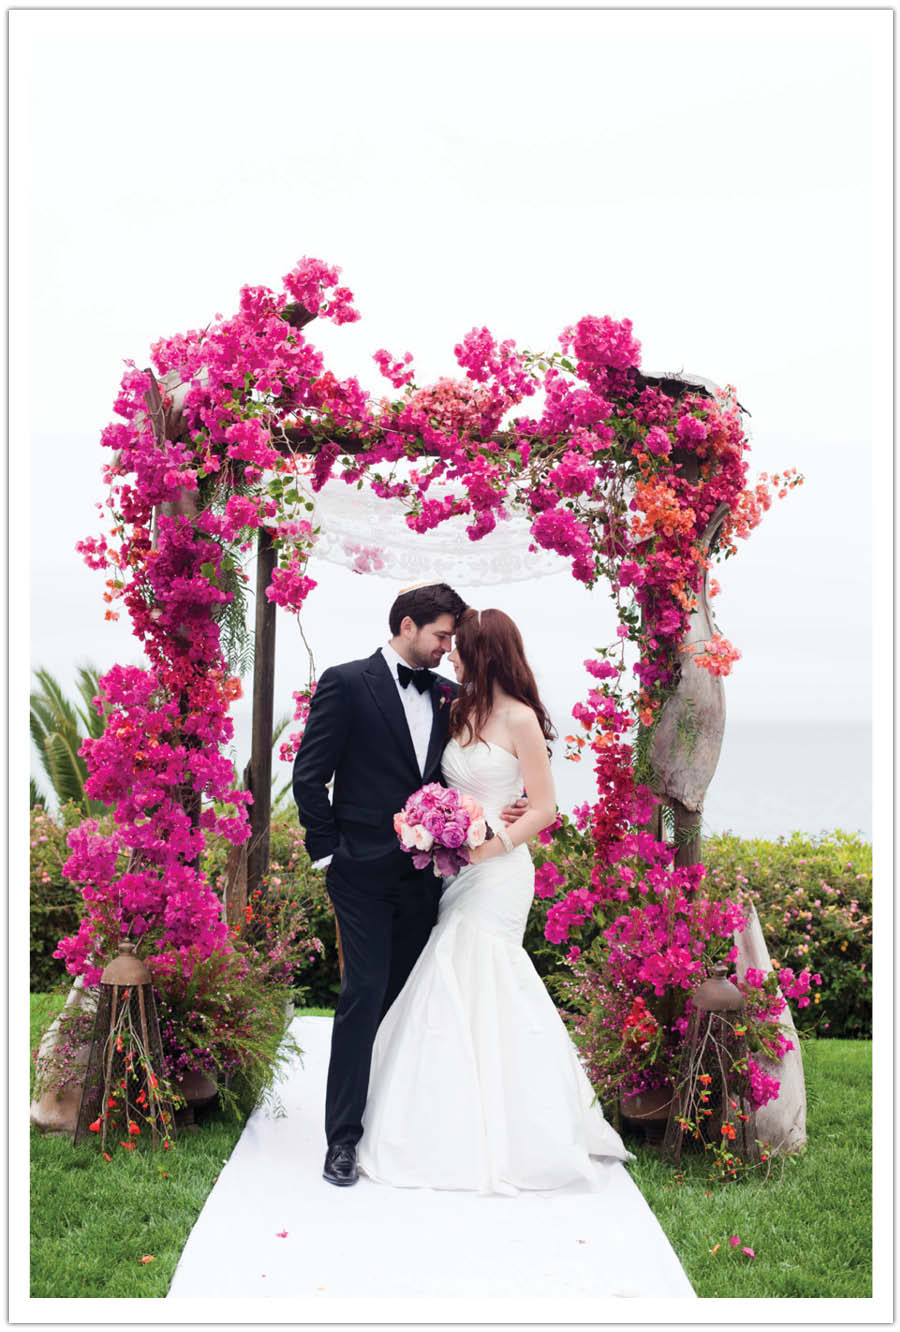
{"x":122,"y":1082}
{"x":712,"y":1074}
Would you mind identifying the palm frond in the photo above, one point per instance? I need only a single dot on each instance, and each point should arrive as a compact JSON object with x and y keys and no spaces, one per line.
{"x":55,"y":699}
{"x":65,"y":768}
{"x":279,"y":799}
{"x":58,"y":729}
{"x":88,"y":685}
{"x":280,"y":727}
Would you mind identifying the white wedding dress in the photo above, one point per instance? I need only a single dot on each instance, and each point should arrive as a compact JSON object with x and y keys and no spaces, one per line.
{"x":475,"y":1082}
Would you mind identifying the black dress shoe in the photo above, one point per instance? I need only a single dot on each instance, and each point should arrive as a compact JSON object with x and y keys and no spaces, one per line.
{"x":340,"y":1164}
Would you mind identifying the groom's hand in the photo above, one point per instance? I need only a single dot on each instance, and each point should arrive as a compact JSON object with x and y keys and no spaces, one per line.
{"x":514,"y":812}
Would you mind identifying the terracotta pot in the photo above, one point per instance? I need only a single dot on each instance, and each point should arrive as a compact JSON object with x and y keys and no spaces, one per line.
{"x":647,"y":1110}
{"x":196,"y":1088}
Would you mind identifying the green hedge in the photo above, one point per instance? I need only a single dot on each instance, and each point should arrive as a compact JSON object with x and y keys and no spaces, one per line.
{"x":813,"y":896}
{"x":56,"y":908}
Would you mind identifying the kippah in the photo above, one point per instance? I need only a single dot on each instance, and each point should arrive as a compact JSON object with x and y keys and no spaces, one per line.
{"x":412,"y":587}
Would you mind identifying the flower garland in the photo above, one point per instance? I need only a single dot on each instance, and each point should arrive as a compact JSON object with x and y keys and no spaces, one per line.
{"x":598,"y":470}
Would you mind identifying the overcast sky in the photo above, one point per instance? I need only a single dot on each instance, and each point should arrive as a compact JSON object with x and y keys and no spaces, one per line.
{"x":716,"y":177}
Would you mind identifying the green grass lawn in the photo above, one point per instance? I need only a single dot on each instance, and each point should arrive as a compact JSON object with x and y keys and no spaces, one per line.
{"x":810,"y":1225}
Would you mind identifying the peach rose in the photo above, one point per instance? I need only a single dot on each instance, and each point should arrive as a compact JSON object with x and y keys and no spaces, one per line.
{"x":477,"y":833}
{"x":470,"y":805}
{"x":406,"y":834}
{"x":422,"y":838}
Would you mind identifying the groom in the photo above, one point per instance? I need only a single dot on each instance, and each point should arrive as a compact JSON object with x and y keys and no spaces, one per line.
{"x":378,"y":726}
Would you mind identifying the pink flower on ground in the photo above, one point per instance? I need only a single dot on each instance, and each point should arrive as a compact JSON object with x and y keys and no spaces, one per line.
{"x":734,"y":1241}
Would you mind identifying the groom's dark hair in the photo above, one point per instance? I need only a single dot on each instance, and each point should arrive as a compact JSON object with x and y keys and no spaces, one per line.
{"x":425,"y":604}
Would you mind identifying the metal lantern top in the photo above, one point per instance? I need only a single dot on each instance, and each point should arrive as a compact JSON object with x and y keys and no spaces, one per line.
{"x":126,"y":969}
{"x":717,"y":995}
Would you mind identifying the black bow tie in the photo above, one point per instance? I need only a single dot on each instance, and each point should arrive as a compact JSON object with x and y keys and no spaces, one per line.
{"x":421,"y":679}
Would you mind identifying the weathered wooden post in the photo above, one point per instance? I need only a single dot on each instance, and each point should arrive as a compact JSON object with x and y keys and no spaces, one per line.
{"x":260,"y":770}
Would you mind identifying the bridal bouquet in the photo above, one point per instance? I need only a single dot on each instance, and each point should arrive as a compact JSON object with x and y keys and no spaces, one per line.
{"x":439,"y":826}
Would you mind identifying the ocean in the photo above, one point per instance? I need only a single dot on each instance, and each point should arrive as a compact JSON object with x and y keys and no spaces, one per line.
{"x":772,"y":779}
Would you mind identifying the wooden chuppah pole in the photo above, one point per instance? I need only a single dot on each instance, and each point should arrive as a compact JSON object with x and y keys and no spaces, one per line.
{"x":259,"y":772}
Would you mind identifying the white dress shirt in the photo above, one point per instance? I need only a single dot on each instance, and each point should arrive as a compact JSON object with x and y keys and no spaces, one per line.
{"x":419,"y":712}
{"x":418,"y":707}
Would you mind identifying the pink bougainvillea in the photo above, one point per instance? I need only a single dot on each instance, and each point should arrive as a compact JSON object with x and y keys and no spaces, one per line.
{"x":598,"y":475}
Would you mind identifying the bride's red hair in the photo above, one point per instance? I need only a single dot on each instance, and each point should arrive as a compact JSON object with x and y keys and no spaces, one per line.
{"x":491,"y":650}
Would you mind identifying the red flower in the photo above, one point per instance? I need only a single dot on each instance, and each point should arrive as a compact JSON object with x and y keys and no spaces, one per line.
{"x":95,"y":1127}
{"x":133,"y":1128}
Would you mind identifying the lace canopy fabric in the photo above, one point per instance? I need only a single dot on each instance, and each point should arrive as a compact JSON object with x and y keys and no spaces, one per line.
{"x":361,"y":531}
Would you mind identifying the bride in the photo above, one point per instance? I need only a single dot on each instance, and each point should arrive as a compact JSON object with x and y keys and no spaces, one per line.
{"x":475,"y":1083}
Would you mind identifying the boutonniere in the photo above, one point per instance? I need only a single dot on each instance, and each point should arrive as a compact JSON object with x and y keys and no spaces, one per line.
{"x":445,"y":694}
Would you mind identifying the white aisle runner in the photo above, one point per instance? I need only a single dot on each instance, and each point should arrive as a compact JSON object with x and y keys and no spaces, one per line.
{"x":372,"y":1240}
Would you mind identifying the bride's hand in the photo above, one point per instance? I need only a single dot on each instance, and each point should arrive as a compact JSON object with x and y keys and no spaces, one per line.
{"x":514,"y":812}
{"x":486,"y":851}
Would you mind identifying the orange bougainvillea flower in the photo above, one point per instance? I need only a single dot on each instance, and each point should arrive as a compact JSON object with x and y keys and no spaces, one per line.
{"x":106,"y":1156}
{"x":147,"y":1258}
{"x":716,"y":1249}
{"x":129,"y":1146}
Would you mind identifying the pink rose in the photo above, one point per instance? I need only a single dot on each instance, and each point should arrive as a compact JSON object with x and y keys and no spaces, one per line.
{"x":453,"y":835}
{"x":434,"y":821}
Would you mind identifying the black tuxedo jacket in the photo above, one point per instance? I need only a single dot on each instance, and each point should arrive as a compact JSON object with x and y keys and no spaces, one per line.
{"x":357,"y":732}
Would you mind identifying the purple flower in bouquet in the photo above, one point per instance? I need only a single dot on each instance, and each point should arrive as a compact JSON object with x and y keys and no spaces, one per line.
{"x":434,"y":821}
{"x":439,"y":826}
{"x":454,"y":834}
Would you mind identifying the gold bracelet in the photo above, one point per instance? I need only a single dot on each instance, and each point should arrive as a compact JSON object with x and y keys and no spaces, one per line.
{"x":505,"y":839}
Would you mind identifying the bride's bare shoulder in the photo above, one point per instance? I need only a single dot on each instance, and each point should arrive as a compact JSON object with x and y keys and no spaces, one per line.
{"x":521,"y":719}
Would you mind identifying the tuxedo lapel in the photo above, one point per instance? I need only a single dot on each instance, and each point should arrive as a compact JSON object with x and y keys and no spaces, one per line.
{"x":441,"y":698}
{"x":377,"y":676}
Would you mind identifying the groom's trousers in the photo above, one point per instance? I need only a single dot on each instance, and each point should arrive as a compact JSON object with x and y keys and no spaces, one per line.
{"x":384,"y":928}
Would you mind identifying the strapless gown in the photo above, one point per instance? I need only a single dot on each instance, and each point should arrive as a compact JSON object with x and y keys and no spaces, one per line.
{"x":475,"y":1082}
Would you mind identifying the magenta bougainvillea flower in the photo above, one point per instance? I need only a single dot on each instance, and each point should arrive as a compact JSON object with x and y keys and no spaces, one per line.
{"x":595,"y":472}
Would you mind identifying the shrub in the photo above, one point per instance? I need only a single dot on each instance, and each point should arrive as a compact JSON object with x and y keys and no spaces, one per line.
{"x":291,"y":879}
{"x":55,"y":906}
{"x":813,"y":896}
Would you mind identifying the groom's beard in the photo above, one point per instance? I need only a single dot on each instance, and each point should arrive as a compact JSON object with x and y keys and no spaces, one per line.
{"x":425,"y":661}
